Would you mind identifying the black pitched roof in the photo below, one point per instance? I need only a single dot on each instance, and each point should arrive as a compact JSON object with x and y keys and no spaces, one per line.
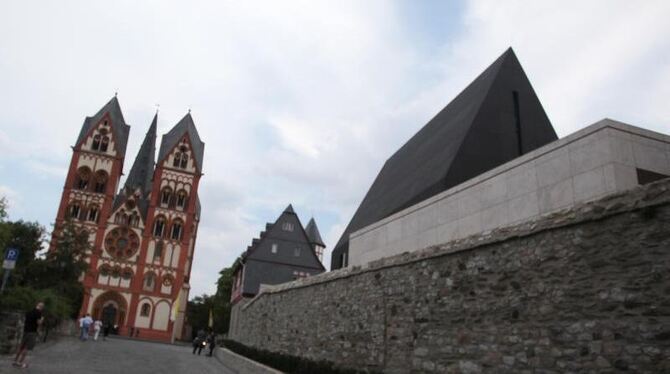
{"x":313,"y":233}
{"x":119,"y":126}
{"x":169,"y":140}
{"x":264,"y":267}
{"x":142,"y":170}
{"x":475,"y":132}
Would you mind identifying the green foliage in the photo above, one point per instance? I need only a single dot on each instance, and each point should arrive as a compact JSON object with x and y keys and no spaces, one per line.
{"x":25,"y":298}
{"x":288,"y":363}
{"x":219,"y":303}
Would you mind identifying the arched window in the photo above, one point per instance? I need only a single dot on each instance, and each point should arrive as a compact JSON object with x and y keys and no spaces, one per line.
{"x":96,"y":142}
{"x":159,"y":227}
{"x":166,"y":196}
{"x":149,"y":283}
{"x":177,"y":227}
{"x":146,"y":310}
{"x":104,"y":270}
{"x":127,"y":273}
{"x":158,"y":250}
{"x":100,"y":181}
{"x":83,"y":177}
{"x":75,"y":210}
{"x":92,"y":214}
{"x":104,"y":144}
{"x":184,"y":161}
{"x":182,"y":197}
{"x":116,"y":272}
{"x":167,"y":281}
{"x":134,"y":219}
{"x":177,"y":160}
{"x":119,"y":217}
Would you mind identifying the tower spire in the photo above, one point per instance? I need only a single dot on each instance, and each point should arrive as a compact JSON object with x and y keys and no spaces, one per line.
{"x":142,"y":170}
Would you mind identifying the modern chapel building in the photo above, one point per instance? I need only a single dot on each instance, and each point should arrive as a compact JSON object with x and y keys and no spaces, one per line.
{"x":143,"y":235}
{"x":491,"y":159}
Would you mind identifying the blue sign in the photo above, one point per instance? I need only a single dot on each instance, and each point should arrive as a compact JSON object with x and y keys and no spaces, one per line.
{"x":12,"y":254}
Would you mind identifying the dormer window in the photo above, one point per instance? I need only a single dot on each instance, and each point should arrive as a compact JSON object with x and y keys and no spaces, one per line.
{"x":287,"y":226}
{"x":275,"y":247}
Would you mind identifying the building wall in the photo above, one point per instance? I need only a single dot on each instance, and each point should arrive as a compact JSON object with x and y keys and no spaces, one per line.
{"x":581,"y":290}
{"x":586,"y":165}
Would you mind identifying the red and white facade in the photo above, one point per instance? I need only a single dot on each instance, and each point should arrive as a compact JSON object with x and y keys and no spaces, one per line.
{"x":143,"y":237}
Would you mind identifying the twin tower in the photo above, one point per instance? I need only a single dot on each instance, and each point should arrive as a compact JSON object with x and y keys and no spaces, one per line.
{"x":142,"y":235}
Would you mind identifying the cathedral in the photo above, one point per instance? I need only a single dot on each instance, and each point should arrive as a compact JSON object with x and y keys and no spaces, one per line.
{"x":143,"y":234}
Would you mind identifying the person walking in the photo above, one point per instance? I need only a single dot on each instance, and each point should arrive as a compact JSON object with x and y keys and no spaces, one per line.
{"x":199,"y":342}
{"x":211,"y":342}
{"x":85,"y":324}
{"x":97,"y":325}
{"x":33,"y":320}
{"x":105,"y":330}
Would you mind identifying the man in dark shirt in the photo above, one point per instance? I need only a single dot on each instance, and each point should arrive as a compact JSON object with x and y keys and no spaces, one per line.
{"x":33,"y":320}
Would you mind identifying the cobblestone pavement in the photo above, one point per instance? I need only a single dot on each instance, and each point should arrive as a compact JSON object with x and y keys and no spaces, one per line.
{"x":113,"y":356}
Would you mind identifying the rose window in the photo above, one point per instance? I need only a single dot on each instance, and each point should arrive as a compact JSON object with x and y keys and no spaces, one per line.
{"x":122,"y":242}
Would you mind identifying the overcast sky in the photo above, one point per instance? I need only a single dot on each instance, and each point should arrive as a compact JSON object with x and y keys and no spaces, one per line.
{"x":300,"y":101}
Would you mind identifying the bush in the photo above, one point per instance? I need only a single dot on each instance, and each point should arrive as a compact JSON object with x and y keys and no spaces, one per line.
{"x":288,"y":363}
{"x":24,"y":298}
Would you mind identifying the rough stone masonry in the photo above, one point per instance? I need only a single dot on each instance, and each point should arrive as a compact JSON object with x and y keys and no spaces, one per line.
{"x":583,"y":290}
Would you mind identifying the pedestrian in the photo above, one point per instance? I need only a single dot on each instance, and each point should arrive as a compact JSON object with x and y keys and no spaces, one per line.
{"x":97,"y":325}
{"x":199,"y":342}
{"x":85,"y":325}
{"x":211,"y":342}
{"x":105,"y":330}
{"x":33,"y":320}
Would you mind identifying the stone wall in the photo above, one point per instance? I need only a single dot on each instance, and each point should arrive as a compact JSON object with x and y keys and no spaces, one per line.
{"x":585,"y":289}
{"x":11,"y":331}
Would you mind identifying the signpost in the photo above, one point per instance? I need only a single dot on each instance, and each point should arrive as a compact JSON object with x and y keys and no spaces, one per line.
{"x":11,"y":255}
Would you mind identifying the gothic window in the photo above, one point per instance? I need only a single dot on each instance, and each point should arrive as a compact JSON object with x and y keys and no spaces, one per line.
{"x":177,"y":227}
{"x":96,"y":142}
{"x":75,"y":210}
{"x":100,"y":181}
{"x":83,"y":177}
{"x":177,"y":160}
{"x":166,"y":196}
{"x":158,"y":250}
{"x":116,"y":272}
{"x":159,"y":227}
{"x":134,"y":220}
{"x":149,"y":283}
{"x":181,"y":199}
{"x":122,"y":243}
{"x":104,"y":144}
{"x":184,"y":161}
{"x":104,"y":270}
{"x":146,"y":310}
{"x":92,"y":214}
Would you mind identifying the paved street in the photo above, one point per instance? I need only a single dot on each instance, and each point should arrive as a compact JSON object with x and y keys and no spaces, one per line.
{"x":69,"y":355}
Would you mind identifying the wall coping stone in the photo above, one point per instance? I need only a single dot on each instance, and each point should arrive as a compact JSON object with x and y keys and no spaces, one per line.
{"x":241,"y":364}
{"x":635,"y":199}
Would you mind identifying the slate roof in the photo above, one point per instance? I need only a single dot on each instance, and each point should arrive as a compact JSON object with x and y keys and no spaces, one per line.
{"x":313,"y":233}
{"x":119,"y":126}
{"x":169,"y":140}
{"x":263,"y":266}
{"x":475,"y":132}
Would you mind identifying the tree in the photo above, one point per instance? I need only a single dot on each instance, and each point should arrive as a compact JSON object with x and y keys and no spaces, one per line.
{"x":219,"y":304}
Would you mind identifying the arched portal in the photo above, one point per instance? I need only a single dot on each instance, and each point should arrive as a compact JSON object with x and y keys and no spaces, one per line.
{"x":110,"y":307}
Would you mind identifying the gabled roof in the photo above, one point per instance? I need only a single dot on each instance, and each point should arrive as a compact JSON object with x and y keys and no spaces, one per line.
{"x":119,"y":126}
{"x":169,"y":140}
{"x":142,"y":170}
{"x":313,"y":233}
{"x":479,"y":129}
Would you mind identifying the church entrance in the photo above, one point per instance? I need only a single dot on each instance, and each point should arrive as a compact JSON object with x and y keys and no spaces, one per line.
{"x":110,"y":307}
